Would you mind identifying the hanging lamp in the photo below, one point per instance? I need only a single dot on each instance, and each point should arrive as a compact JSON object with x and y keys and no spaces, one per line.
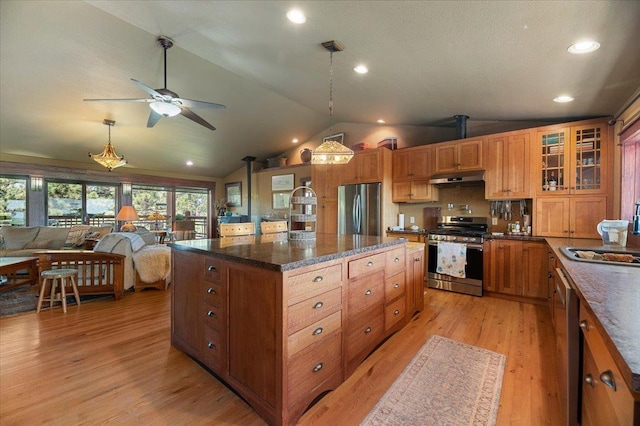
{"x":331,"y":151}
{"x":108,"y":157}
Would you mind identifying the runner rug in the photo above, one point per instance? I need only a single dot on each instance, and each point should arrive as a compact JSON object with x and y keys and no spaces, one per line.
{"x":446,"y":383}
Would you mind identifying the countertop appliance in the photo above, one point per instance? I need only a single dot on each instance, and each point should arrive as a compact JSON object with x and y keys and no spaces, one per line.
{"x":360,"y":209}
{"x":466,"y":230}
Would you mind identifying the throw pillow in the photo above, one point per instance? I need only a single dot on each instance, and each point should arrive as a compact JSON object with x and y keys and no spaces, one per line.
{"x":98,"y":232}
{"x":39,"y":244}
{"x":75,"y":235}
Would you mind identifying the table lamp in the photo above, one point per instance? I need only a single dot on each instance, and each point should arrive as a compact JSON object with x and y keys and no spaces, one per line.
{"x":127,"y":214}
{"x":156,"y":216}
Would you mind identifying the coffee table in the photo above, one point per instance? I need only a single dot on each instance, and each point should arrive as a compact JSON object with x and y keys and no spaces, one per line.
{"x":10,"y":265}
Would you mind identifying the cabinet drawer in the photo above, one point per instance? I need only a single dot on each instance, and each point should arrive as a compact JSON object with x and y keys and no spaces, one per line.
{"x":395,"y":261}
{"x":213,"y":316}
{"x":366,"y":265}
{"x":212,"y":349}
{"x":394,"y":286}
{"x":316,"y":332}
{"x":311,"y":310}
{"x":394,"y":313}
{"x":313,"y":283}
{"x":365,"y":293}
{"x":364,"y":331}
{"x":212,"y":270}
{"x":212,"y":293}
{"x":313,"y":365}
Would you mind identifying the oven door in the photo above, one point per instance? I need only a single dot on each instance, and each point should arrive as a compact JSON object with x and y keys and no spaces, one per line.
{"x":471,"y":284}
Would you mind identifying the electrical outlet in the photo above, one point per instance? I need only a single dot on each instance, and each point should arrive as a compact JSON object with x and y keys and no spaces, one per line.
{"x":412,"y":219}
{"x":494,"y":220}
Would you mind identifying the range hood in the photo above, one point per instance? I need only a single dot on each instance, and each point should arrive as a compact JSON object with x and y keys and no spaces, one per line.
{"x":467,"y":178}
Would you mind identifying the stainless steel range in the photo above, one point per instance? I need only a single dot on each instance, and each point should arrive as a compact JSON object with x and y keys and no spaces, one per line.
{"x":466,"y":230}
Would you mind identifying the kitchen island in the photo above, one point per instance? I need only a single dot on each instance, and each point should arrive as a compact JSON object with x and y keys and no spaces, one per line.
{"x":282,"y":322}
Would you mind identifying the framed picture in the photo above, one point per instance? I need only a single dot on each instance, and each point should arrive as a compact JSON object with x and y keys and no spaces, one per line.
{"x":281,"y":200}
{"x":233,"y":193}
{"x":282,"y":182}
{"x":338,"y":137}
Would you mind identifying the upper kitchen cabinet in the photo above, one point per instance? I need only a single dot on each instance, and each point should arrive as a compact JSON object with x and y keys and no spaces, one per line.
{"x":508,"y":172}
{"x":368,"y":166}
{"x":459,"y":156}
{"x":325,"y":179}
{"x":574,"y":160}
{"x":412,"y":169}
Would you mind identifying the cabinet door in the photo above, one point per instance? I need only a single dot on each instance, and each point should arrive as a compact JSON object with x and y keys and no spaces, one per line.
{"x":402,"y":165}
{"x":407,"y":192}
{"x":553,"y":149}
{"x":470,"y":155}
{"x":422,"y":163}
{"x":589,"y":159}
{"x":327,"y":216}
{"x":401,"y":192}
{"x":535,"y":270}
{"x":516,"y":166}
{"x":187,"y":323}
{"x":586,"y":213}
{"x":364,"y":167}
{"x":446,"y":158}
{"x":494,"y":186}
{"x":505,"y":273}
{"x":552,"y":217}
{"x":415,"y":280}
{"x":325,"y":179}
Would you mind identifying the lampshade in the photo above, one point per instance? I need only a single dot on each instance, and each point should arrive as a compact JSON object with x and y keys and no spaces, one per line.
{"x":331,"y":151}
{"x":127,"y":214}
{"x":108,"y":157}
{"x":156,"y":216}
{"x":165,"y":109}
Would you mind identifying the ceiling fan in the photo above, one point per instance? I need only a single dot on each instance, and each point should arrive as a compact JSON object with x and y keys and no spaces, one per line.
{"x":164,"y":102}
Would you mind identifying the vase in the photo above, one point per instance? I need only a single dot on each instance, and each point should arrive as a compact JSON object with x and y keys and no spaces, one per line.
{"x":305,"y":155}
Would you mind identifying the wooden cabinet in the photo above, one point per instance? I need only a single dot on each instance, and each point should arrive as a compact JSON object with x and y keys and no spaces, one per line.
{"x":517,"y":268}
{"x":187,"y":328}
{"x":574,"y":160}
{"x":508,"y":170}
{"x":412,"y":169}
{"x":325,"y":180}
{"x":415,"y":277}
{"x":569,"y":216}
{"x":465,"y":155}
{"x":366,"y":166}
{"x":414,"y":192}
{"x":606,"y":398}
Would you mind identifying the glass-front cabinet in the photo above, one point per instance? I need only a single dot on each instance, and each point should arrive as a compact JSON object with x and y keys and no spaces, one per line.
{"x":572,"y":160}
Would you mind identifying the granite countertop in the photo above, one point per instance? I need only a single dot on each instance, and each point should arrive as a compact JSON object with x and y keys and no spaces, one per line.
{"x":282,"y":254}
{"x":408,"y":231}
{"x":490,"y":236}
{"x":612,"y":294}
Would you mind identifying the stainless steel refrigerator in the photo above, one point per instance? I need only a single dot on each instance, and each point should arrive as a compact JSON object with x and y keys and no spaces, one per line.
{"x":359,"y":209}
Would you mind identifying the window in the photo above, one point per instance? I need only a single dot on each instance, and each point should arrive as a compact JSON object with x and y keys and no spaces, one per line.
{"x":194,"y":204}
{"x":101,"y":204}
{"x":147,"y":200}
{"x":13,"y":201}
{"x":77,"y":203}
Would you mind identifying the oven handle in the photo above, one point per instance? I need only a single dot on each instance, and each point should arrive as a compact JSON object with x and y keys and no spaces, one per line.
{"x":477,"y":247}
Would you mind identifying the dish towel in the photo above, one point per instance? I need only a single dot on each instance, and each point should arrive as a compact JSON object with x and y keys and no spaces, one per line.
{"x":452,"y":259}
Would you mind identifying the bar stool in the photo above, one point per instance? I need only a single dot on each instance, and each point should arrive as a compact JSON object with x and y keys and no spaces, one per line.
{"x":58,"y":274}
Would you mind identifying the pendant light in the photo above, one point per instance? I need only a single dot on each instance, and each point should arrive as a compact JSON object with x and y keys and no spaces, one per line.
{"x":108,"y":157}
{"x":331,"y":151}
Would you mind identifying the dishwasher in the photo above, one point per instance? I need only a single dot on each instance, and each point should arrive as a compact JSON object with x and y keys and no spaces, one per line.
{"x":566,"y":324}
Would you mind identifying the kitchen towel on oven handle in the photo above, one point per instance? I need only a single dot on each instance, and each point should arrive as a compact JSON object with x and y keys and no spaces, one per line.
{"x":452,"y":259}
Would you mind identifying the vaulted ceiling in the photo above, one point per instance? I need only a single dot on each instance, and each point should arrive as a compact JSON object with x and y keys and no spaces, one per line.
{"x":491,"y":60}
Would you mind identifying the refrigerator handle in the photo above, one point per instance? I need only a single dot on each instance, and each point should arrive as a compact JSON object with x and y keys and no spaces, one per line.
{"x":356,"y":213}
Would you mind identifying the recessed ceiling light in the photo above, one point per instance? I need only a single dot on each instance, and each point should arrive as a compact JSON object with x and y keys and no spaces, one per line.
{"x":295,"y":140}
{"x":586,"y":46}
{"x":563,"y":99}
{"x":361,"y":69}
{"x":296,"y":16}
{"x":189,"y":163}
{"x":381,"y":121}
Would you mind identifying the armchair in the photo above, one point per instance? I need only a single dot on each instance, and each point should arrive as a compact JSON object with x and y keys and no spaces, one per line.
{"x":184,"y":230}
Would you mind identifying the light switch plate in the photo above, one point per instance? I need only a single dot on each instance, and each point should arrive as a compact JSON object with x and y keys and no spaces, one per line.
{"x":494,"y":220}
{"x":412,"y":219}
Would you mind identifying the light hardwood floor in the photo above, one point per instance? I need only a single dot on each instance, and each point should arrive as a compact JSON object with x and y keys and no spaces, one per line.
{"x":112,"y":362}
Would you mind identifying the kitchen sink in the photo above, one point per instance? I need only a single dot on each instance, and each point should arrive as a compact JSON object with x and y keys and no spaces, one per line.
{"x":600,"y":255}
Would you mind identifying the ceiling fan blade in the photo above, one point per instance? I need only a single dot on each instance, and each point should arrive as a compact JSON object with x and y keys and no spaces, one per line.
{"x":195,"y":117}
{"x":190,"y":103}
{"x":120,"y":100}
{"x":147,"y":89}
{"x":154,"y":117}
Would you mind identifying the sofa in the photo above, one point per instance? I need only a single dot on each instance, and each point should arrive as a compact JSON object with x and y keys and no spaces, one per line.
{"x":16,"y":241}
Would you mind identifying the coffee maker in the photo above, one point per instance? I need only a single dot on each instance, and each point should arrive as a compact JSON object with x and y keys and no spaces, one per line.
{"x":636,"y":219}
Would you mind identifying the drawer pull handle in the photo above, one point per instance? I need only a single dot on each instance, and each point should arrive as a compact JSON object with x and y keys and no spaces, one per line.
{"x":588,"y":379}
{"x":397,"y":259}
{"x":317,"y":331}
{"x":318,"y":279}
{"x":396,"y":312}
{"x":584,"y":325}
{"x":211,"y":345}
{"x":417,"y":259}
{"x":367,"y":330}
{"x":369,"y":263}
{"x":318,"y":305}
{"x":211,"y":291}
{"x":396,"y":285}
{"x":211,"y":314}
{"x":317,"y":368}
{"x":211,"y":268}
{"x":606,"y":377}
{"x":367,"y":293}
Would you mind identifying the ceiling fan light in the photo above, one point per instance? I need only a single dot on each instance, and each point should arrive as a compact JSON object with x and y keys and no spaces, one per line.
{"x":165,"y":109}
{"x":331,"y":152}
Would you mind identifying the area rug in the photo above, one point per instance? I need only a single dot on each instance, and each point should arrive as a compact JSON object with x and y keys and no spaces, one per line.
{"x":25,"y":298}
{"x":446,"y":383}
